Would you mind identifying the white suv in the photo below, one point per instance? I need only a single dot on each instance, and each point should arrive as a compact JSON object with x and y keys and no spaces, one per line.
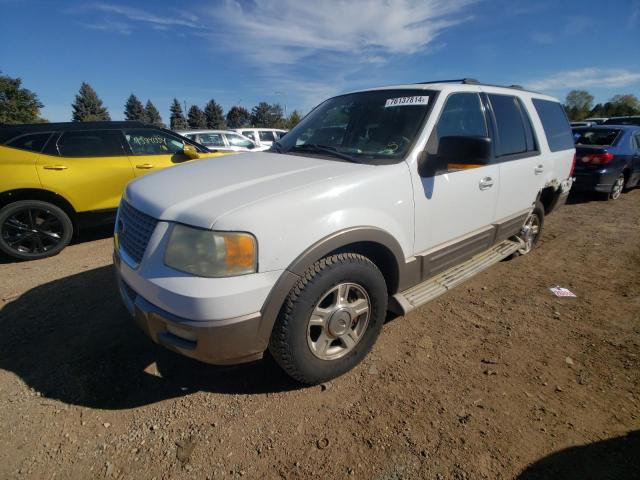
{"x":262,"y":136}
{"x":378,"y":200}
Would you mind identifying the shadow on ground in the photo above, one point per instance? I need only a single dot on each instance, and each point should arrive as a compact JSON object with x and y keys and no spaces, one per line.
{"x":72,"y":340}
{"x":614,"y":459}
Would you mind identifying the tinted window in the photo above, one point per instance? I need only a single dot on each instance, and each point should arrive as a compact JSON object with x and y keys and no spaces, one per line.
{"x":95,"y":143}
{"x":555,"y":124}
{"x":462,"y":115}
{"x":266,"y":136}
{"x":511,"y":130}
{"x":153,"y":142}
{"x":595,"y":136}
{"x":33,"y":142}
{"x":211,"y":140}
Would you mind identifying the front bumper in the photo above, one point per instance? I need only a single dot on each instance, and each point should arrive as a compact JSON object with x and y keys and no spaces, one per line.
{"x":221,"y":342}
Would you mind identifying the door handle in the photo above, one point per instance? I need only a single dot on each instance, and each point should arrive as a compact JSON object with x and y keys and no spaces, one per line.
{"x":144,"y":166}
{"x":539,"y":169}
{"x":54,"y":167}
{"x":486,"y":183}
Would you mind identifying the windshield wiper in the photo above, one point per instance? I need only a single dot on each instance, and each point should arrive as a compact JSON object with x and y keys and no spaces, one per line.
{"x":314,"y":147}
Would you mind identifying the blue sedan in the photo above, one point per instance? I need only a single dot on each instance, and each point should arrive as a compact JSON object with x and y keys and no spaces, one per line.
{"x":607,"y":159}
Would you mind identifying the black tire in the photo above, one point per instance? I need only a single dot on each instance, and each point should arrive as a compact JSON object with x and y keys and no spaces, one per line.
{"x":33,"y":229}
{"x":538,"y":212}
{"x":289,"y":343}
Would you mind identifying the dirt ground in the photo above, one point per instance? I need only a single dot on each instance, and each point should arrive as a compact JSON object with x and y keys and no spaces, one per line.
{"x":496,"y":379}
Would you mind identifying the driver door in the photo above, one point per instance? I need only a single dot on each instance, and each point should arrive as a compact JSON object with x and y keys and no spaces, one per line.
{"x":152,"y":150}
{"x":455,"y":208}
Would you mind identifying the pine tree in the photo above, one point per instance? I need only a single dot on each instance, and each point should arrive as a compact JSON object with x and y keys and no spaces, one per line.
{"x":267,"y":116}
{"x":17,"y":104}
{"x":215,"y":115}
{"x":238,"y":117}
{"x":196,"y":118}
{"x":293,"y":119}
{"x":177,"y":121}
{"x":134,"y":110}
{"x":87,"y":106}
{"x":153,"y":115}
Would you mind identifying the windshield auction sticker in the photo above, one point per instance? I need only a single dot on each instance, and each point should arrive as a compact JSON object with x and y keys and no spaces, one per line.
{"x":407,"y":101}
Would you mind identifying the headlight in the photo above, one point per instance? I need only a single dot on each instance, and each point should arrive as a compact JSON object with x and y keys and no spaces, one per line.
{"x":211,"y":254}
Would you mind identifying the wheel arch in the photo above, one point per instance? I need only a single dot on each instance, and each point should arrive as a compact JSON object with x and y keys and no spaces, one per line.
{"x":374,"y":243}
{"x":15,"y":195}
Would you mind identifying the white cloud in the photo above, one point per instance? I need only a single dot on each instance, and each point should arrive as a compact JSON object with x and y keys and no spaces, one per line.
{"x":144,"y":16}
{"x":586,"y":77}
{"x":284,"y":31}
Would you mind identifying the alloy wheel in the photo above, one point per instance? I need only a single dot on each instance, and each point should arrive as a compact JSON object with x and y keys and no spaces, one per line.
{"x":32,"y":230}
{"x":338,"y":321}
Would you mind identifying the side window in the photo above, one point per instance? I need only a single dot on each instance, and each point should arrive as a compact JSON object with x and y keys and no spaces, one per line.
{"x":462,"y":115}
{"x":91,"y":143}
{"x":33,"y":142}
{"x":267,"y":136}
{"x":512,"y":136}
{"x":211,"y":140}
{"x":637,"y":142}
{"x":555,"y":124}
{"x":238,"y":141}
{"x":153,"y":142}
{"x":250,"y":134}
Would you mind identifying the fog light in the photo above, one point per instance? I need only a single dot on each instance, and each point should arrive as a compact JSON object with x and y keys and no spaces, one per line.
{"x":182,"y":333}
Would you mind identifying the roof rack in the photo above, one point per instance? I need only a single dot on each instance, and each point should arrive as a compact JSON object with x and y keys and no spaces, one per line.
{"x":473,"y":81}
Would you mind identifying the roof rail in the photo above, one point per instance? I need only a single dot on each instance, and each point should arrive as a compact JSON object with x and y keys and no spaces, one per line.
{"x":470,"y":81}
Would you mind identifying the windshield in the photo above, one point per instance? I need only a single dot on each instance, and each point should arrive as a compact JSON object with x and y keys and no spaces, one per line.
{"x":595,"y":136}
{"x":369,"y":127}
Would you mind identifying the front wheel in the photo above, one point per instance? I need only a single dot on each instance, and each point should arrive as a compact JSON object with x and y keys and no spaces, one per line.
{"x":32,"y":229}
{"x":331,"y":318}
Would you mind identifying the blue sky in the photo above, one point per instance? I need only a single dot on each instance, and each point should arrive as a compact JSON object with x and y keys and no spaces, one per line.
{"x":299,"y":52}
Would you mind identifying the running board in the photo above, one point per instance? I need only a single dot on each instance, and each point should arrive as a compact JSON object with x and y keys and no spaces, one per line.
{"x":443,"y":282}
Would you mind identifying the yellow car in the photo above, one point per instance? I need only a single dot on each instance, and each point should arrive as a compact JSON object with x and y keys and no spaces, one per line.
{"x":57,"y":178}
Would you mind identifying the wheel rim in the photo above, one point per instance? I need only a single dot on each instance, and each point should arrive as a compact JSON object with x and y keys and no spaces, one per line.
{"x":32,"y":231}
{"x":338,"y":321}
{"x":617,"y":188}
{"x":529,"y":233}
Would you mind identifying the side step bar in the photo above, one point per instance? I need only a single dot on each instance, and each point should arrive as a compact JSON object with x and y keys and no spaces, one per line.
{"x":443,"y":282}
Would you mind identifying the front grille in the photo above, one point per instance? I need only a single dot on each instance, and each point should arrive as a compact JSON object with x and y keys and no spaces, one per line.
{"x":134,"y":229}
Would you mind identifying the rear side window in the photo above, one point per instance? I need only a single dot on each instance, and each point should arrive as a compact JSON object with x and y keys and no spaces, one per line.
{"x":555,"y":124}
{"x":512,"y":133}
{"x":94,"y":143}
{"x":33,"y":142}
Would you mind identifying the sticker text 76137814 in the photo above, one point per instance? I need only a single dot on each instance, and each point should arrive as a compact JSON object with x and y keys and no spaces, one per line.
{"x":407,"y":101}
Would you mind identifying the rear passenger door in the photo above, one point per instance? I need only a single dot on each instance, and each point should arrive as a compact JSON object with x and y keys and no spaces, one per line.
{"x":152,"y":150}
{"x":518,"y":157}
{"x":89,"y":168}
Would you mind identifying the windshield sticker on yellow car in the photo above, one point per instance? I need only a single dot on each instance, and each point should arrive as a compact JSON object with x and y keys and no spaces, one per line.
{"x":407,"y":101}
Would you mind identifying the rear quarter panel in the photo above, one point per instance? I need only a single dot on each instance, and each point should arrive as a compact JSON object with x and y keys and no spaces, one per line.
{"x":18,"y":169}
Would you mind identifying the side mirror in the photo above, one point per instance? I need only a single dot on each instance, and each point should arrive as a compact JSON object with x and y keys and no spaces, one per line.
{"x":455,"y":152}
{"x":464,"y":152}
{"x":190,"y":151}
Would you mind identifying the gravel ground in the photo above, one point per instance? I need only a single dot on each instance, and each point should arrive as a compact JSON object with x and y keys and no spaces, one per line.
{"x":496,"y":379}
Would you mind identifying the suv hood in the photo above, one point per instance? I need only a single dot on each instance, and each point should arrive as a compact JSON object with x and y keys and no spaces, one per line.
{"x":197,"y":193}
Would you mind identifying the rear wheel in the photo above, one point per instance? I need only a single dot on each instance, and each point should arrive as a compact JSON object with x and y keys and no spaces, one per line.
{"x":32,"y":229}
{"x":331,"y":318}
{"x":531,"y":230}
{"x":618,"y":187}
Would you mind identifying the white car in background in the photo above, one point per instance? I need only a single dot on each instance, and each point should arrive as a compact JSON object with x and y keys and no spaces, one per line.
{"x":263,"y":137}
{"x":223,"y":140}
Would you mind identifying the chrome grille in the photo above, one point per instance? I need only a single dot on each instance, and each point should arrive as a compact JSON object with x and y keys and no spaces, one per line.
{"x":134,"y":229}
